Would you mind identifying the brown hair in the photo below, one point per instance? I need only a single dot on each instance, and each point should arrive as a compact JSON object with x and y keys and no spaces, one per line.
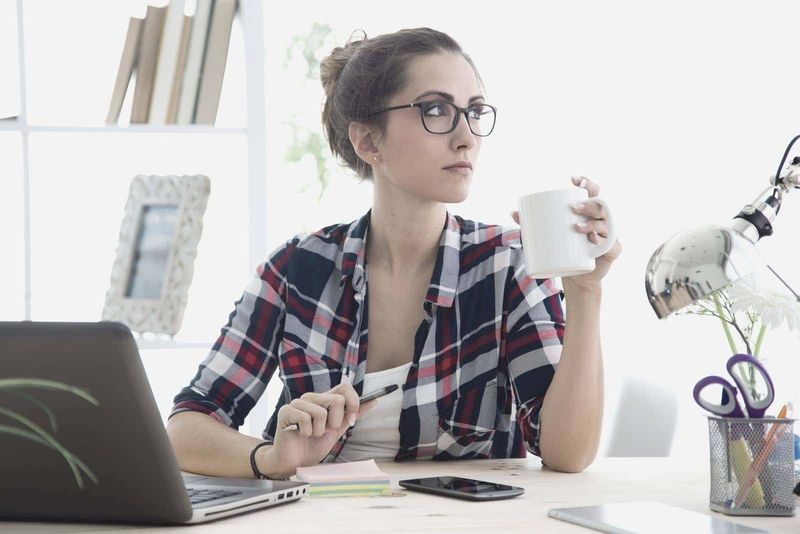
{"x":361,"y":76}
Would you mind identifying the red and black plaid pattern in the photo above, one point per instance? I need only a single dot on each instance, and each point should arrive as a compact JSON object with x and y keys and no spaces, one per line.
{"x":483,"y":357}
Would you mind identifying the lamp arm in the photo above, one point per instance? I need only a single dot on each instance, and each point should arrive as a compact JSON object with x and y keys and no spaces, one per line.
{"x":755,"y":219}
{"x":791,"y":178}
{"x":796,"y":296}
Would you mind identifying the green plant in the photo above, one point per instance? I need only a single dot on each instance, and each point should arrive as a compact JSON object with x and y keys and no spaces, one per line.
{"x":310,"y":141}
{"x":32,"y":431}
{"x":306,"y":141}
{"x":309,"y":46}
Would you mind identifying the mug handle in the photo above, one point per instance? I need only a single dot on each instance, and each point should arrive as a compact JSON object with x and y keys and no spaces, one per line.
{"x":597,"y":250}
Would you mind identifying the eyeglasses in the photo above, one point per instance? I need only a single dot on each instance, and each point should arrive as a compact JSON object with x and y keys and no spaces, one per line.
{"x":442,"y":117}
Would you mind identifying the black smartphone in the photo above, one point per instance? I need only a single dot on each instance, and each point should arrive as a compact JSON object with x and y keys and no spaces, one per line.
{"x":463,"y":488}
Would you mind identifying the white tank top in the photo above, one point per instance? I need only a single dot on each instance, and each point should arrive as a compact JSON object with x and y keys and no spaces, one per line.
{"x":376,"y":434}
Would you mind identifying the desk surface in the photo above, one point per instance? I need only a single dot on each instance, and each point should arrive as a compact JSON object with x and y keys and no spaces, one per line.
{"x":607,"y":480}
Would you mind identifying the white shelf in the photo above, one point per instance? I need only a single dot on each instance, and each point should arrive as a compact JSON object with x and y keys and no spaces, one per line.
{"x":251,"y":18}
{"x":160,"y":344}
{"x":16,"y":126}
{"x":254,"y":132}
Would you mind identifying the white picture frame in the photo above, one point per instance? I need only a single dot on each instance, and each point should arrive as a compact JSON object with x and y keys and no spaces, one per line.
{"x":155,"y":256}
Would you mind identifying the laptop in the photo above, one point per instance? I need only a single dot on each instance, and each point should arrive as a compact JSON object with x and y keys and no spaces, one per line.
{"x":64,"y":458}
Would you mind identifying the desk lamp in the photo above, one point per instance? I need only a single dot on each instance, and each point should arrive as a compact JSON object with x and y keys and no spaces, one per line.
{"x":696,"y":262}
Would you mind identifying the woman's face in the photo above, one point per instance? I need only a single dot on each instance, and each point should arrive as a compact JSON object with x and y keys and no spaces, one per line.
{"x":415,"y":160}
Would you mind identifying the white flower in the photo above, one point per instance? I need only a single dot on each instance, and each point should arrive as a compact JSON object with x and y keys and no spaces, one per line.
{"x":774,"y":307}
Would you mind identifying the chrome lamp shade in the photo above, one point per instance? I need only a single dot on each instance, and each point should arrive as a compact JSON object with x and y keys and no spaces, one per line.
{"x":694,"y":263}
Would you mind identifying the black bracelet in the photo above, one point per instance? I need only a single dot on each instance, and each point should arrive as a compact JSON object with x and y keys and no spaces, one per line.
{"x":256,"y":473}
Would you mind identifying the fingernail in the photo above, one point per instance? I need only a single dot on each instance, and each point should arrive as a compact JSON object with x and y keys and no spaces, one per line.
{"x":582,"y":225}
{"x":352,"y":419}
{"x":579,"y":205}
{"x":583,"y":182}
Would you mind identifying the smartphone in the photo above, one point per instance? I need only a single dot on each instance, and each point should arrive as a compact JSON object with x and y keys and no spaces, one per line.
{"x":463,"y":488}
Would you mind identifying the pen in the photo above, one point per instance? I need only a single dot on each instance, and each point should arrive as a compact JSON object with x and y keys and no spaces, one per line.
{"x":364,"y":398}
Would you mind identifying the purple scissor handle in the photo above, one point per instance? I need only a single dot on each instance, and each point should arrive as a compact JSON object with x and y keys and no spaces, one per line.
{"x":755,"y":408}
{"x":731,"y":408}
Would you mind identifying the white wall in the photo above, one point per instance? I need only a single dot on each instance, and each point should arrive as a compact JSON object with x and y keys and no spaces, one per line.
{"x":679,"y":110}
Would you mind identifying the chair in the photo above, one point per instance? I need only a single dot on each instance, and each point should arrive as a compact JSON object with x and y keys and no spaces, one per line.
{"x":645,"y":421}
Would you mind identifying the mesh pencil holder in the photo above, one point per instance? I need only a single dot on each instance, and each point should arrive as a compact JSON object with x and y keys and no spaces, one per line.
{"x":752,"y":466}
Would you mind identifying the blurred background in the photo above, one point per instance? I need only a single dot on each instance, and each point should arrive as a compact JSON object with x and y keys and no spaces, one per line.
{"x":679,"y":110}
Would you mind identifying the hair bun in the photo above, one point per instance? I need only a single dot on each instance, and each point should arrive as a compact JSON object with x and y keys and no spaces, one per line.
{"x":363,"y":75}
{"x":332,"y":66}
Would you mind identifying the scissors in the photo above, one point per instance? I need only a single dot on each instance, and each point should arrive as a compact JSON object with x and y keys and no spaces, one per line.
{"x":730,"y":407}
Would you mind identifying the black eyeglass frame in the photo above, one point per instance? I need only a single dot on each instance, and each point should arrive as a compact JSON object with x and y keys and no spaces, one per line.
{"x":457,"y":117}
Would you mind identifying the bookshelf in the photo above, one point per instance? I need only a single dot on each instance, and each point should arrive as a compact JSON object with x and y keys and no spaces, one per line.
{"x":169,"y":363}
{"x":250,"y":18}
{"x":135,"y":128}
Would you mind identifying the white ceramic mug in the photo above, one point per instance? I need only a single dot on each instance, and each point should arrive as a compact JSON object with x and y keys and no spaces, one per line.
{"x":551,"y":244}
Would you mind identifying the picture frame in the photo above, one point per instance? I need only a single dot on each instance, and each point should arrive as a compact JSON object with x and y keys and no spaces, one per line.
{"x":155,"y":255}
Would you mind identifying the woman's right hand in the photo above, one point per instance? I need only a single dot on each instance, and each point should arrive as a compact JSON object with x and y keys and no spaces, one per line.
{"x":322,"y":419}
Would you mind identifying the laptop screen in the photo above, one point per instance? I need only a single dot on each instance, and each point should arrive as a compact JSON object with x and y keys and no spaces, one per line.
{"x":98,"y":451}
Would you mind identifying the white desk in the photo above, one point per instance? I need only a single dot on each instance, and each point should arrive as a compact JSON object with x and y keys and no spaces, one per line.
{"x":607,"y":480}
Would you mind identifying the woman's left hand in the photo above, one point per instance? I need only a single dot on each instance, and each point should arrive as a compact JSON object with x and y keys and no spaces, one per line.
{"x":596,"y":229}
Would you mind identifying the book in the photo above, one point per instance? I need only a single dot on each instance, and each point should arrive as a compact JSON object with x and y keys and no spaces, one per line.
{"x":194,"y":62}
{"x":219,"y":33}
{"x":149,"y":43}
{"x":345,"y":479}
{"x":167,"y":61}
{"x":127,"y":64}
{"x":177,"y":80}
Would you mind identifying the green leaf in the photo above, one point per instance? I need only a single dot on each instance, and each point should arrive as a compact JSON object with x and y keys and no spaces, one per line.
{"x":33,"y":437}
{"x":33,"y":400}
{"x":52,"y":442}
{"x":39,"y":383}
{"x":311,"y":47}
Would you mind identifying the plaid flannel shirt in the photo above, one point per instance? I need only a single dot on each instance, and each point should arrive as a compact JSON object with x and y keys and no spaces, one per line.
{"x":483,"y":357}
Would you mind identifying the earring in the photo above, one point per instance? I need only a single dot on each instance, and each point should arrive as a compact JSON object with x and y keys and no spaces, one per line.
{"x":374,"y":158}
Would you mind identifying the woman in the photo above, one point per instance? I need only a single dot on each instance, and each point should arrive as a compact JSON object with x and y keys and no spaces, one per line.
{"x":408,"y":294}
